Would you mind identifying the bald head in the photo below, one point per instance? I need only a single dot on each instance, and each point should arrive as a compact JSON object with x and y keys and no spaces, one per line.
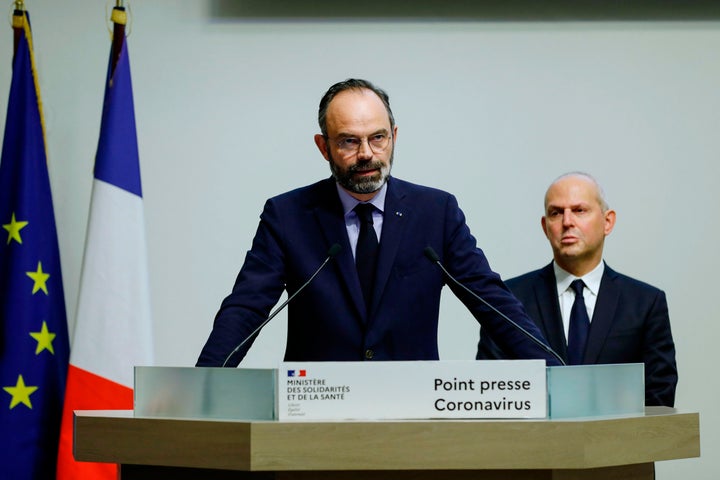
{"x":593,"y":186}
{"x":577,"y":219}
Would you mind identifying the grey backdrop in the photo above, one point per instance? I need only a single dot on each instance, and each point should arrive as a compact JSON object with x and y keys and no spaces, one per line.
{"x":491,"y":107}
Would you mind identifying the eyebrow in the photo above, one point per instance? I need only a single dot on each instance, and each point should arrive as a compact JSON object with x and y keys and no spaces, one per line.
{"x":380,"y":130}
{"x":573,"y":206}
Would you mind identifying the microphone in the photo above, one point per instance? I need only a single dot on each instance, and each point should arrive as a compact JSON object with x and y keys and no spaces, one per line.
{"x":334,"y":250}
{"x":430,"y":254}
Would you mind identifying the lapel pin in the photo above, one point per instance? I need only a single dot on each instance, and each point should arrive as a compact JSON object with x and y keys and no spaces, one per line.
{"x":399,"y":214}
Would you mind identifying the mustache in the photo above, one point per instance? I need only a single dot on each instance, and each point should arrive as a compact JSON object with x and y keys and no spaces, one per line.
{"x":364,"y":165}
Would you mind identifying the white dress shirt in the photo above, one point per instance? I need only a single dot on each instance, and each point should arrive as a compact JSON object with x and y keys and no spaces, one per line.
{"x":566,"y":296}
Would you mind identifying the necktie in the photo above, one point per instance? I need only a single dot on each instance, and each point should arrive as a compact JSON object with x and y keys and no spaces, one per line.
{"x":366,"y":250}
{"x":579,"y":325}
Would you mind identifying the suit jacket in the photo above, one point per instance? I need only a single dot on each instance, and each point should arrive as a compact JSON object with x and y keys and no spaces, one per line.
{"x":630,"y":324}
{"x":328,"y":320}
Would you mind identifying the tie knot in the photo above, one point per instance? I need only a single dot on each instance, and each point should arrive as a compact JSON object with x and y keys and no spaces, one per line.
{"x":364,"y":212}
{"x":577,"y":286}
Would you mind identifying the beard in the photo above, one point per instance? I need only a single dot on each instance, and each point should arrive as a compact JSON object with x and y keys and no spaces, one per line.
{"x":347,"y":180}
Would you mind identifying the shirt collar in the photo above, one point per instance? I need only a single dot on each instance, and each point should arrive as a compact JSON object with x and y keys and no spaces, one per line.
{"x":349,"y":202}
{"x":591,"y":279}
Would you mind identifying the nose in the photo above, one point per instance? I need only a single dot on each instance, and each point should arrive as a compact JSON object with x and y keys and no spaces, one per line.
{"x":364,"y":150}
{"x":567,"y":218}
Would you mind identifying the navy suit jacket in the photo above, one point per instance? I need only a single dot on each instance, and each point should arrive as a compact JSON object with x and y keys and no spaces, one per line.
{"x":328,"y":320}
{"x":630,"y":324}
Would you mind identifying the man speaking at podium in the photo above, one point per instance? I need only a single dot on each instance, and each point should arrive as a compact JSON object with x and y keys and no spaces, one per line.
{"x":361,"y":255}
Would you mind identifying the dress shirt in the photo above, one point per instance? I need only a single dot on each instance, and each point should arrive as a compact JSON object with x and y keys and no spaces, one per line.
{"x":352,"y":222}
{"x":566,"y":296}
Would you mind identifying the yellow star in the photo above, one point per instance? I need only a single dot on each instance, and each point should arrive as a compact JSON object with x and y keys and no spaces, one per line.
{"x":20,"y":393}
{"x":40,"y":278}
{"x":13,"y":229}
{"x":44,"y":339}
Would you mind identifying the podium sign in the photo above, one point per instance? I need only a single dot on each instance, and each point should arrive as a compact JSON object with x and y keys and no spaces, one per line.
{"x":412,"y":390}
{"x":495,"y":389}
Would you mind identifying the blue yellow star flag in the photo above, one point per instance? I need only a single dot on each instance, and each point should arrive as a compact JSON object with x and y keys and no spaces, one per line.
{"x":34,"y":345}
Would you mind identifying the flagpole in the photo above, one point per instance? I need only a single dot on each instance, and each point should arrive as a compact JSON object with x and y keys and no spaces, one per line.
{"x":17,"y":24}
{"x":119,"y":19}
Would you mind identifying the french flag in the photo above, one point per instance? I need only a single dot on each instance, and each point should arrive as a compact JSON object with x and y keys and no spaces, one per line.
{"x":113,"y":329}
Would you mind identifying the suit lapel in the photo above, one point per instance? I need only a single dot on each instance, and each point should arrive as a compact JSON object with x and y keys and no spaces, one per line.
{"x":603,"y":315}
{"x":394,"y":221}
{"x":549,"y":307}
{"x":330,"y":217}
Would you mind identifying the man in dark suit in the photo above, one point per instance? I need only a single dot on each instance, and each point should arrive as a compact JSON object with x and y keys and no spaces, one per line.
{"x":628,"y":319}
{"x":331,"y":319}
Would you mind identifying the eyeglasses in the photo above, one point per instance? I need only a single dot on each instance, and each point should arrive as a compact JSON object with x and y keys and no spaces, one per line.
{"x":377,"y":142}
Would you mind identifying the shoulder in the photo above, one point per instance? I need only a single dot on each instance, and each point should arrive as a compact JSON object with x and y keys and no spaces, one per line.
{"x":630,"y":284}
{"x":402,"y":188}
{"x":320,"y":190}
{"x":534,"y":277}
{"x":432,"y":202}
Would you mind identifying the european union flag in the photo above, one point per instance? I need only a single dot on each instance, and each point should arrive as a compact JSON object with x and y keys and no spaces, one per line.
{"x":34,"y":345}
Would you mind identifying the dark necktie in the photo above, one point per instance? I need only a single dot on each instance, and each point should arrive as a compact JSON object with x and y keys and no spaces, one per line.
{"x":579,"y":325}
{"x":366,"y":250}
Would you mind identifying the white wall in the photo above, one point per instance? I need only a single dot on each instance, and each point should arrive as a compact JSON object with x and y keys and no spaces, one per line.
{"x":493,"y":112}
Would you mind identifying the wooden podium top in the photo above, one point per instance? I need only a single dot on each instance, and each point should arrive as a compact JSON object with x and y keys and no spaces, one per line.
{"x":118,"y":437}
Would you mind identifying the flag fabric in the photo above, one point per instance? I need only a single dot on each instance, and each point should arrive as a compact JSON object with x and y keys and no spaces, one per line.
{"x":113,"y":323}
{"x":34,"y":345}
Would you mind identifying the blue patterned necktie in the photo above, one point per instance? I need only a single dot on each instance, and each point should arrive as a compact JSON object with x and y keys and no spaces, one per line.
{"x":579,"y":325}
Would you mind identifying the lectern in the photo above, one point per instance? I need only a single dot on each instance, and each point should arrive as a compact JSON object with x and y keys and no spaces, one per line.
{"x":188,"y":428}
{"x":598,"y":448}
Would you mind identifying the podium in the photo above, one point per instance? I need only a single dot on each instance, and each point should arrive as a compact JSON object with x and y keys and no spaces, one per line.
{"x":623,"y":447}
{"x":215,"y":423}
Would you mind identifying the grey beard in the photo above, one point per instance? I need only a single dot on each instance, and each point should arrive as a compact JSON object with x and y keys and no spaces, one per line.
{"x":365,"y":185}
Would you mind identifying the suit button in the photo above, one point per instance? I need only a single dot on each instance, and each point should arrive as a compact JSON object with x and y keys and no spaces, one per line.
{"x":369,"y":354}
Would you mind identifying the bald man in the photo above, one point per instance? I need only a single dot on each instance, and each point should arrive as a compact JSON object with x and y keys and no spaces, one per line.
{"x":628,"y":319}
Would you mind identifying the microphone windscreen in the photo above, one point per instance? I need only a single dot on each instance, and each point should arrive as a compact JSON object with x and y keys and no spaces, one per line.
{"x":430,"y":253}
{"x":334,"y":250}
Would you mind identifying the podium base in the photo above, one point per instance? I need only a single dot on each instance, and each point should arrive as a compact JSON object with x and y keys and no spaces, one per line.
{"x":643,"y":471}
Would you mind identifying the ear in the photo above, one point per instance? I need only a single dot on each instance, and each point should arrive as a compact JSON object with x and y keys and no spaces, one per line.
{"x":544,"y":229}
{"x":322,"y":145}
{"x":609,"y":221}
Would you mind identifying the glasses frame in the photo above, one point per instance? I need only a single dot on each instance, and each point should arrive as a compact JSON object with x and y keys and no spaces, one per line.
{"x":343,"y":147}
